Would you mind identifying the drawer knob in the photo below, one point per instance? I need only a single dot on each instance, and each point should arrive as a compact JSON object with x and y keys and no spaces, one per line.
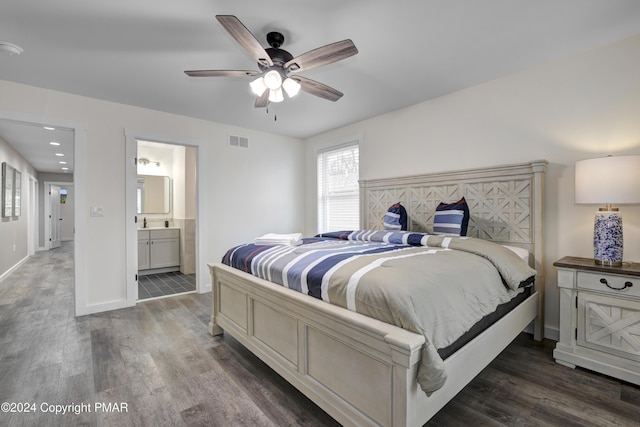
{"x":626,"y":285}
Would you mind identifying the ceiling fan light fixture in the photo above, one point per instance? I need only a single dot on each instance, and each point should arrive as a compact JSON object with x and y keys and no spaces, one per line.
{"x":257,"y":86}
{"x":276,"y":95}
{"x":291,"y":86}
{"x":273,"y":80}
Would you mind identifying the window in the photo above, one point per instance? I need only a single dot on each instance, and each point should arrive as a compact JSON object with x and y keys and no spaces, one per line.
{"x":338,"y":191}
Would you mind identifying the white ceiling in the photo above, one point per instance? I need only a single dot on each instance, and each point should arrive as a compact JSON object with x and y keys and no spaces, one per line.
{"x":135,"y":52}
{"x":34,"y":143}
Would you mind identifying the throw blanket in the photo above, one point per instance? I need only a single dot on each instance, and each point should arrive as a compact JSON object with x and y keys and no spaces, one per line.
{"x":279,"y":239}
{"x":436,"y":286}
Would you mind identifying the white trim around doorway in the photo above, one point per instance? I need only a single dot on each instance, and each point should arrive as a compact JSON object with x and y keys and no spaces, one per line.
{"x":203,"y":283}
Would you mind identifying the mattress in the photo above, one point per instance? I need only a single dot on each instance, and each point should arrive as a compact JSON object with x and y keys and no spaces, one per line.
{"x":486,"y":322}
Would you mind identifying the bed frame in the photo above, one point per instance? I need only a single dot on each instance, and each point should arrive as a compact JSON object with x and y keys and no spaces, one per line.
{"x":362,"y":371}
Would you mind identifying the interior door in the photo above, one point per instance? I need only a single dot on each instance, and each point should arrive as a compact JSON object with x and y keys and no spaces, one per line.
{"x":54,"y":217}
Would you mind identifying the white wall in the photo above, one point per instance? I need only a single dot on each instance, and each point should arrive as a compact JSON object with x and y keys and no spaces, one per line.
{"x":581,"y":107}
{"x":246,"y":192}
{"x":14,"y":246}
{"x":179,"y":174}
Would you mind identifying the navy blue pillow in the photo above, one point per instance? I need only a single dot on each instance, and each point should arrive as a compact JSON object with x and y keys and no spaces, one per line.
{"x":451,"y":218}
{"x":395,"y":218}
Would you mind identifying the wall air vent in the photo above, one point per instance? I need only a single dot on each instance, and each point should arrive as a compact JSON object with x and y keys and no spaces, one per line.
{"x":238,"y":141}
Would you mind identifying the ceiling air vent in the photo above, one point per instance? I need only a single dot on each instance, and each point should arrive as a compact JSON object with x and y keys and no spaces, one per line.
{"x":238,"y":141}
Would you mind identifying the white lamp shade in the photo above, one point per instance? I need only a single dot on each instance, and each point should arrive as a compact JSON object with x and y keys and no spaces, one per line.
{"x":276,"y":95}
{"x":257,"y":86}
{"x":613,"y":179}
{"x":291,"y":86}
{"x":273,"y":80}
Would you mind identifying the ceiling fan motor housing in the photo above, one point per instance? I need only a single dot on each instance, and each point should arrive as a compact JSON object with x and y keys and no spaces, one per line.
{"x":279,"y":57}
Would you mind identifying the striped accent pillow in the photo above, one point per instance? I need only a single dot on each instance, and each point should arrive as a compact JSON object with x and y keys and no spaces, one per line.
{"x":451,"y":218}
{"x":395,"y":218}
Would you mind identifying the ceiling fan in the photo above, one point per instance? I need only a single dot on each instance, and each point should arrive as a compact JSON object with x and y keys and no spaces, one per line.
{"x":278,"y":68}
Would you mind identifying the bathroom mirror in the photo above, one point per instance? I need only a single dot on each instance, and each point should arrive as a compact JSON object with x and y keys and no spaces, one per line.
{"x":153,"y":194}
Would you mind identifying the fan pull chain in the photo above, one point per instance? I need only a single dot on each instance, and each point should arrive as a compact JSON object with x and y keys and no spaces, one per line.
{"x":275,"y":115}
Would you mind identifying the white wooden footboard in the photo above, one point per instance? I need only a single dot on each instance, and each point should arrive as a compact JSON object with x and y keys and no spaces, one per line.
{"x":359,"y":370}
{"x":352,"y":366}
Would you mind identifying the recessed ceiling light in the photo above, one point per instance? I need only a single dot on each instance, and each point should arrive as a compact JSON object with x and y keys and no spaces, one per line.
{"x":54,"y":143}
{"x":65,"y":169}
{"x":10,"y":48}
{"x":62,"y":162}
{"x":59,"y":154}
{"x":49,"y":128}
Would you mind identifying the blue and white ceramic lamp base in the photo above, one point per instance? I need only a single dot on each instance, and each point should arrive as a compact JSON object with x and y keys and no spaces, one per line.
{"x":607,"y":238}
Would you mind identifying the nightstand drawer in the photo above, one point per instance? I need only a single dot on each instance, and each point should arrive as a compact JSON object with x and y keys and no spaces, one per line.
{"x":611,"y":284}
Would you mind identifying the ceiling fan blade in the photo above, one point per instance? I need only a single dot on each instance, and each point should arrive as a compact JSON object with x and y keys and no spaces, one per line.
{"x":243,"y":36}
{"x":318,"y":89}
{"x":263,"y":100}
{"x":221,"y":73}
{"x":322,"y":56}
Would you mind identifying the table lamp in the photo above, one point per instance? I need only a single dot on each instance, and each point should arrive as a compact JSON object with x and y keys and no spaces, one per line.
{"x":608,"y":180}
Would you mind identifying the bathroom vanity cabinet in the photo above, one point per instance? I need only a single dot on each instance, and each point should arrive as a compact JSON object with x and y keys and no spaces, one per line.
{"x":158,"y":250}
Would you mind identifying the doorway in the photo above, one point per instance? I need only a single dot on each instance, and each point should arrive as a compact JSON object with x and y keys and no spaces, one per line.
{"x":162,"y":199}
{"x":37,"y":203}
{"x":58,"y":206}
{"x":54,"y":217}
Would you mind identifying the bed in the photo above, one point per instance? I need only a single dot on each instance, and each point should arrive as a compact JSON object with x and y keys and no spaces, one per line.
{"x":363,"y":371}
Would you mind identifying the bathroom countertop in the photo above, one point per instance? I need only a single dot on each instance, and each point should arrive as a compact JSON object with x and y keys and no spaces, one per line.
{"x":158,"y":228}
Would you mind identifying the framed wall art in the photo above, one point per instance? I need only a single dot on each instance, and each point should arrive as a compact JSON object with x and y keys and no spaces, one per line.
{"x":7,"y":190}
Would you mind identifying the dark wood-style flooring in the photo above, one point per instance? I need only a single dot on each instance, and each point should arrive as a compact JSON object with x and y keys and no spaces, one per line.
{"x":158,"y":366}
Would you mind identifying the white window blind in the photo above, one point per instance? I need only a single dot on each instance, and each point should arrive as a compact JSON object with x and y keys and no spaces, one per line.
{"x":338,"y":191}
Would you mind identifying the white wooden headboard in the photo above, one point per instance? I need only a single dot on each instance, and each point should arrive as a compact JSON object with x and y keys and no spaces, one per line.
{"x":506,"y":203}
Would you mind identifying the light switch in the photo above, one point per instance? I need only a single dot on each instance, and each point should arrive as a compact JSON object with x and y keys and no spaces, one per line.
{"x":97,"y":211}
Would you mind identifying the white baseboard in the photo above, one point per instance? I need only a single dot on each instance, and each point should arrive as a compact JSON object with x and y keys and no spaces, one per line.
{"x":99,"y":308}
{"x":549,"y":332}
{"x":22,"y":261}
{"x":552,"y":333}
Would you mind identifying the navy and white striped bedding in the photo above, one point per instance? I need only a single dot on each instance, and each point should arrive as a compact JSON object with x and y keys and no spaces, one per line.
{"x":303,"y":270}
{"x":437,"y":286}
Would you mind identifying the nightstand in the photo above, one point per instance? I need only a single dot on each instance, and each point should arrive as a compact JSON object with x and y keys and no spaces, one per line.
{"x":599,"y":317}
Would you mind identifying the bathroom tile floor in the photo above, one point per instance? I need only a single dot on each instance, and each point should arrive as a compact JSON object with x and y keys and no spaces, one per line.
{"x":163,"y":284}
